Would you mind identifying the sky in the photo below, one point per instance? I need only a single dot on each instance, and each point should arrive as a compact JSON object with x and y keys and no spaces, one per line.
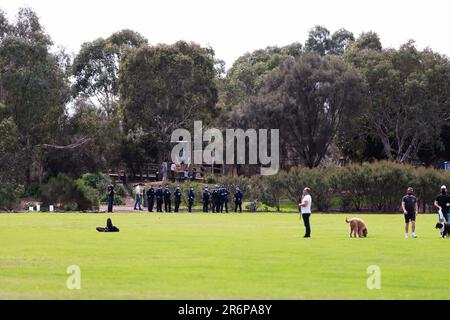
{"x":234,"y":27}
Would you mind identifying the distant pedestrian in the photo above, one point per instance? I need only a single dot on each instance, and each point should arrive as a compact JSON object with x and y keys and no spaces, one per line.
{"x":238,"y":196}
{"x":138,"y":202}
{"x":442,"y":203}
{"x":159,"y":194}
{"x":191,"y":198}
{"x":206,"y":196}
{"x":167,"y":200}
{"x":150,"y":199}
{"x":110,"y":193}
{"x":305,"y":204}
{"x":173,"y":169}
{"x":410,"y":210}
{"x":177,"y":195}
{"x":164,"y":170}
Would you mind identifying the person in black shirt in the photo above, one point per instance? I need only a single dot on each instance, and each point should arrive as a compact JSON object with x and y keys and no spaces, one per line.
{"x":238,"y":200}
{"x":150,"y":199}
{"x":110,"y":197}
{"x":177,"y":195}
{"x":191,"y":197}
{"x":159,"y":199}
{"x":442,"y":202}
{"x":167,"y":201}
{"x":206,"y":196}
{"x":410,"y":210}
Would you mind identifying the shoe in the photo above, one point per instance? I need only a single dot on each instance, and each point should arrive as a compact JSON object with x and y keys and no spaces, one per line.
{"x":406,"y":236}
{"x":306,"y":236}
{"x":413,"y":235}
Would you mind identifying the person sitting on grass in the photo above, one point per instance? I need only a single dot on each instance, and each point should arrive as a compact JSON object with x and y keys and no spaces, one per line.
{"x":109,"y":227}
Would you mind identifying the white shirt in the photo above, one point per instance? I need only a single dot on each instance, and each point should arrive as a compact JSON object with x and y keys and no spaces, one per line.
{"x":173,"y":167}
{"x":307,"y":209}
{"x":138,"y":189}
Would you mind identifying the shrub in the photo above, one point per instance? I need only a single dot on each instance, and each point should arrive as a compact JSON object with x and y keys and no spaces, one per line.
{"x":9,"y":196}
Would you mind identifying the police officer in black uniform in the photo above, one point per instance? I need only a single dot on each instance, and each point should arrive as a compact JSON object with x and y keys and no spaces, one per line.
{"x":206,"y":196}
{"x":150,"y":199}
{"x":191,"y":197}
{"x":167,"y":201}
{"x":225,"y":195}
{"x":177,"y":195}
{"x":159,"y":199}
{"x":238,"y":196}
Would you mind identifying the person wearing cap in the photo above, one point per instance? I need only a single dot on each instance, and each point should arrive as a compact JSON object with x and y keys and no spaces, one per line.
{"x":177,"y":195}
{"x":410,"y":210}
{"x":191,"y":197}
{"x":159,"y":194}
{"x":206,"y":196}
{"x":238,"y":200}
{"x":442,"y":202}
{"x":167,"y":201}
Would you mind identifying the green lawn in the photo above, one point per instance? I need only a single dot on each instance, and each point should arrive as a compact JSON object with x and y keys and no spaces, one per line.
{"x":207,"y":256}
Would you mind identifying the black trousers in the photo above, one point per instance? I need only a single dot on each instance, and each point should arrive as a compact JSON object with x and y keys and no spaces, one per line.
{"x":110,"y":203}
{"x":167,"y":206}
{"x":238,"y":205}
{"x":190,"y":204}
{"x":159,"y":205}
{"x":307,"y":224}
{"x":150,"y":204}
{"x":205,"y":206}
{"x":177,"y":205}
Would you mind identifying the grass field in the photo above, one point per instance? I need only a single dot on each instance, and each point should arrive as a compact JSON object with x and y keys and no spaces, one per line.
{"x":206,"y":256}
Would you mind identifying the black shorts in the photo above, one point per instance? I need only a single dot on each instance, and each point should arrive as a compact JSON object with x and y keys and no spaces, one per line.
{"x":410,"y":217}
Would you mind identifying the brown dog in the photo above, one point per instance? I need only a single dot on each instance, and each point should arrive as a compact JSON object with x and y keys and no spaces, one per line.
{"x":357,"y":227}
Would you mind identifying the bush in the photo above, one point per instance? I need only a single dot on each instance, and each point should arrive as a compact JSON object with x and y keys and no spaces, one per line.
{"x":9,"y":196}
{"x":85,"y":196}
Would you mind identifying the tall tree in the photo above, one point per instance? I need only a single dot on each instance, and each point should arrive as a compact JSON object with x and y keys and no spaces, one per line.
{"x":248,"y":73}
{"x":167,"y":87}
{"x":34,"y":89}
{"x":409,"y":93}
{"x":309,"y":99}
{"x":96,"y":69}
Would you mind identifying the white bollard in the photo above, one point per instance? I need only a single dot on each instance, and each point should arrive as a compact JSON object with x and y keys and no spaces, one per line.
{"x":38,"y":208}
{"x":31,"y":209}
{"x":50,"y":208}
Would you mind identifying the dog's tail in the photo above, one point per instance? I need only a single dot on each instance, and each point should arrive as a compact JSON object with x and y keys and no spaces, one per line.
{"x":346,"y":220}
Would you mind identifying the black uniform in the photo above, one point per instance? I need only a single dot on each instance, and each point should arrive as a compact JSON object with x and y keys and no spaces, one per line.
{"x":224,"y":200}
{"x":167,"y":201}
{"x":215,"y":200}
{"x":238,"y":196}
{"x":206,"y":196}
{"x":159,"y":199}
{"x":177,"y":195}
{"x":191,"y":197}
{"x":150,"y":199}
{"x":110,"y":198}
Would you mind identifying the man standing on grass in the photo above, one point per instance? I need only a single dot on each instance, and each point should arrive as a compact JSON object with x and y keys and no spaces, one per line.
{"x":110,"y":197}
{"x":442,"y":202}
{"x":150,"y":199}
{"x":167,"y":202}
{"x":177,"y":195}
{"x":191,"y":198}
{"x":206,"y":196}
{"x":410,"y":210}
{"x":138,"y":202}
{"x":305,"y":204}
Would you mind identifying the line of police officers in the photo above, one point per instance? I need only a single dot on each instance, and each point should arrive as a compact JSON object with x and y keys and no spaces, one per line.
{"x":217,"y":199}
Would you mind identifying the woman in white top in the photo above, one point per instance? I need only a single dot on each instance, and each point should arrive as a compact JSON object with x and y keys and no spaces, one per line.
{"x":305,"y":204}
